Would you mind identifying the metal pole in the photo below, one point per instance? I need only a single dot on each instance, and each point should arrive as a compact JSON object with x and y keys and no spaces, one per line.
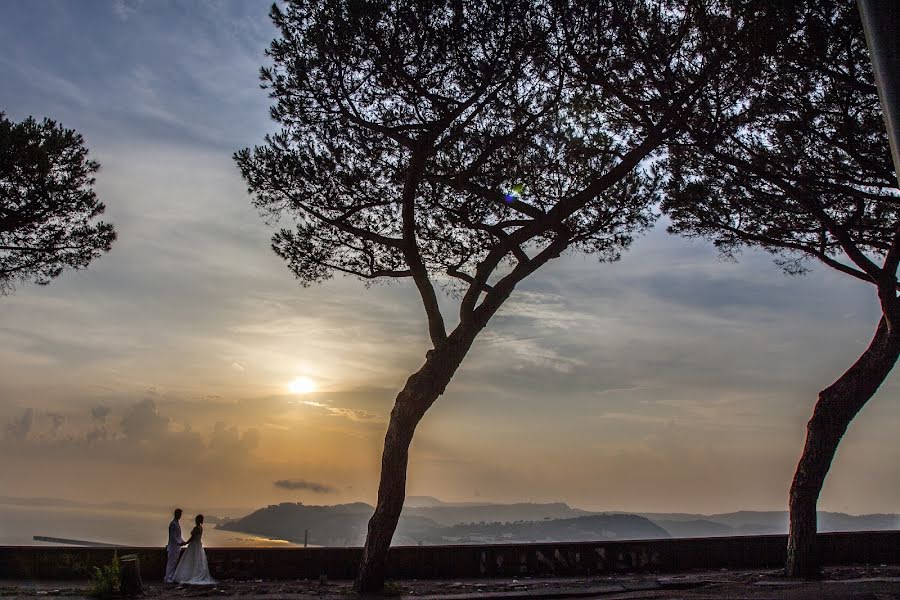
{"x":881,"y":23}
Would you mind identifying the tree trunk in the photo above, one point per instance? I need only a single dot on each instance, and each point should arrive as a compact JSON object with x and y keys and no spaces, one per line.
{"x":837,"y":405}
{"x":419,"y":393}
{"x":130,"y":583}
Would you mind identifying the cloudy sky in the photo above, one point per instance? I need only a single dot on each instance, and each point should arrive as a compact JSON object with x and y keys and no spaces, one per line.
{"x":671,"y":381}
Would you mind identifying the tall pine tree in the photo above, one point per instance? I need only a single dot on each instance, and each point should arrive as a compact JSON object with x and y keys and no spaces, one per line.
{"x":466,"y":144}
{"x":48,"y":208}
{"x":805,"y":173}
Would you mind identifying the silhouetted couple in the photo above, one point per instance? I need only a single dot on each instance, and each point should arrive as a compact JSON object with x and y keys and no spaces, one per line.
{"x":188,"y":566}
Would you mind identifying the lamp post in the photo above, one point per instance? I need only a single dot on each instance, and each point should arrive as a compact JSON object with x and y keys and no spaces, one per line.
{"x":881,"y":23}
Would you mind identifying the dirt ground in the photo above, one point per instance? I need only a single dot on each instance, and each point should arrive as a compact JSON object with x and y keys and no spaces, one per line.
{"x":852,"y":583}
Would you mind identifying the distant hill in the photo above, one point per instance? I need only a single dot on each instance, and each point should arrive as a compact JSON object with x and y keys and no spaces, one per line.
{"x":748,"y":522}
{"x":433,"y":521}
{"x":754,"y":522}
{"x":744,"y":522}
{"x":338,"y":525}
{"x":432,"y":502}
{"x":451,"y":514}
{"x":578,"y":529}
{"x":345,"y":525}
{"x":829,"y":521}
{"x":694,"y":528}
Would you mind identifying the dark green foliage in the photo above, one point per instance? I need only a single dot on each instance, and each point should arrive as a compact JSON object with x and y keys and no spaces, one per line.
{"x":461,"y":100}
{"x":392,"y":589}
{"x":105,"y":579}
{"x":405,"y":126}
{"x":804,"y":170}
{"x":48,"y":208}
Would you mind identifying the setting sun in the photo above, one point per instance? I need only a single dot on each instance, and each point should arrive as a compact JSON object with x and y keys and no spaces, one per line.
{"x":302,"y":385}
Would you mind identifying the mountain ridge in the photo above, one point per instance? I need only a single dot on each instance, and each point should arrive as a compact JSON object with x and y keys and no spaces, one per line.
{"x":431,"y":521}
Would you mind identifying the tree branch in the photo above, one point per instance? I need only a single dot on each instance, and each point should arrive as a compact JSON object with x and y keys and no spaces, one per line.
{"x":555,"y":218}
{"x":410,"y":247}
{"x":342,"y":225}
{"x":816,"y":253}
{"x":840,"y":233}
{"x":503,"y":288}
{"x":462,"y":184}
{"x":452,"y":272}
{"x":30,"y":250}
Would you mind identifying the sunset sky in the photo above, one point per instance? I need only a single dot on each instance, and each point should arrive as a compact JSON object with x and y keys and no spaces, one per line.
{"x":670,"y":381}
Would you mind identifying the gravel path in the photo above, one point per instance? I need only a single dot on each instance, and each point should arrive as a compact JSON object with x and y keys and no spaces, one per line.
{"x":854,"y":583}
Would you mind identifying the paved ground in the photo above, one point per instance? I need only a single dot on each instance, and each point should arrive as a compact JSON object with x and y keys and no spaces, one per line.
{"x":851,"y":583}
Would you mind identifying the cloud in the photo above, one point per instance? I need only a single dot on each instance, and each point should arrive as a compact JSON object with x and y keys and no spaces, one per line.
{"x":99,"y":416}
{"x":143,"y":422}
{"x":546,"y":310}
{"x":48,"y":81}
{"x":300,"y":484}
{"x":227,"y":442}
{"x":142,"y":435}
{"x":518,"y":353}
{"x":56,"y":421}
{"x":99,"y":413}
{"x":19,"y":428}
{"x":237,"y":367}
{"x":96,"y":435}
{"x":354,"y":414}
{"x":125,"y":9}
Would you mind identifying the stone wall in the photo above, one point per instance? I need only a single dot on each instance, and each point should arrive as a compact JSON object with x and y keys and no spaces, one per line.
{"x":495,"y":560}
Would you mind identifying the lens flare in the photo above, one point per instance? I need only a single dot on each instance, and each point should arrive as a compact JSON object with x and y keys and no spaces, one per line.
{"x":514,"y":193}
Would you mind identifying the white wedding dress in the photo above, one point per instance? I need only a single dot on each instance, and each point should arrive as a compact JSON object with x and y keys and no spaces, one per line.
{"x":192,"y":568}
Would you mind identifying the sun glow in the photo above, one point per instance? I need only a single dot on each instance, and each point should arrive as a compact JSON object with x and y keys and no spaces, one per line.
{"x":302,"y":385}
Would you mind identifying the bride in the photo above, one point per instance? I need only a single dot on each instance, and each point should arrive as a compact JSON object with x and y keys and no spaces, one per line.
{"x":193,"y":569}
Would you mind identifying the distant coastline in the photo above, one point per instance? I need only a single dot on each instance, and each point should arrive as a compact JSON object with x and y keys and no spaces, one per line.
{"x":20,"y":523}
{"x":424,"y":520}
{"x":430,"y":521}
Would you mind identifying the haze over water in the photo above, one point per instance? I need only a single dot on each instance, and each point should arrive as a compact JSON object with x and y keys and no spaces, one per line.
{"x":19,"y":525}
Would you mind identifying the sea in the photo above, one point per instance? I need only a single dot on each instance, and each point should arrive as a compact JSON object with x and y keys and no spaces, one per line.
{"x":20,"y":524}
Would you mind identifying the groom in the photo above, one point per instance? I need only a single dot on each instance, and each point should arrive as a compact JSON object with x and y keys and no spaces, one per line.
{"x":174,"y":547}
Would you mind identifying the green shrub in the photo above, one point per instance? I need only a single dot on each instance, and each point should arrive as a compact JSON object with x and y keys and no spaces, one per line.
{"x":392,"y":589}
{"x":105,"y":580}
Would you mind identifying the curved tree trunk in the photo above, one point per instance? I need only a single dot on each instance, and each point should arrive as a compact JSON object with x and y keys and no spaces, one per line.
{"x":419,"y":393}
{"x":838,"y":404}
